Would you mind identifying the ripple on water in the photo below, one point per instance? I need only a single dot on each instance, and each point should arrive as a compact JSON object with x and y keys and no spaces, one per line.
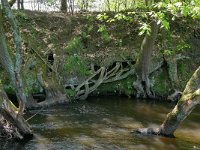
{"x":106,"y":124}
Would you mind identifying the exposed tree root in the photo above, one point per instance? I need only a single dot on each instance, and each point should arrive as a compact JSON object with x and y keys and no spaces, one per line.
{"x":52,"y":95}
{"x":173,"y":70}
{"x":143,"y":85}
{"x":116,"y":73}
{"x":16,"y":126}
{"x":175,"y":96}
{"x":103,"y":75}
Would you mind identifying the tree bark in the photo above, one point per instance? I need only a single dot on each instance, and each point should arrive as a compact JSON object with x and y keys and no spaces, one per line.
{"x":15,"y":71}
{"x":20,"y":4}
{"x":8,"y":111}
{"x":63,"y":6}
{"x":189,"y":100}
{"x":142,"y":68}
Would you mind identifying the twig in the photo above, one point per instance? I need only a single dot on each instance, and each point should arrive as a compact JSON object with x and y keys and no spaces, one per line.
{"x":34,"y":115}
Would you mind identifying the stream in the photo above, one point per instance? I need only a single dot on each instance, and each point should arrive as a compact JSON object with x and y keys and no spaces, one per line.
{"x":106,"y":123}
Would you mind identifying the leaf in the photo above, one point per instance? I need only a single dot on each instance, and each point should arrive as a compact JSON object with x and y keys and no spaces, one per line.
{"x":178,"y":4}
{"x":141,"y":32}
{"x":166,"y":24}
{"x":160,"y":5}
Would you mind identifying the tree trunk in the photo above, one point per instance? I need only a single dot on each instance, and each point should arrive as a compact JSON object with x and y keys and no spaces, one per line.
{"x":142,"y":85}
{"x":63,"y":6}
{"x":189,"y":100}
{"x":14,"y":71}
{"x":7,"y":111}
{"x":108,"y":5}
{"x":20,"y":4}
{"x":52,"y":94}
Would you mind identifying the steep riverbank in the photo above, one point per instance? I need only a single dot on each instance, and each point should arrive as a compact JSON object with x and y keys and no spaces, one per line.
{"x":81,"y":55}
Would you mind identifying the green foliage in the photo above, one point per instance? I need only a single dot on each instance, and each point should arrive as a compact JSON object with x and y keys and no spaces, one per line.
{"x":102,"y":17}
{"x":74,"y":46}
{"x":178,"y":9}
{"x":121,"y":87}
{"x":21,"y":14}
{"x":31,"y":83}
{"x":145,"y":28}
{"x":176,"y":48}
{"x":161,"y":82}
{"x":104,"y":33}
{"x":9,"y":88}
{"x":185,"y":71}
{"x":124,"y":17}
{"x":71,"y":93}
{"x":76,"y":65}
{"x":128,"y":17}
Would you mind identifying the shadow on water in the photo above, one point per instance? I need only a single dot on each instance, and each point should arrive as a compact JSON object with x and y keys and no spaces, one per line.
{"x":106,"y":123}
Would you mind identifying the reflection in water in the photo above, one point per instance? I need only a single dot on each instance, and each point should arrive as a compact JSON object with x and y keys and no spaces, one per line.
{"x":106,"y":123}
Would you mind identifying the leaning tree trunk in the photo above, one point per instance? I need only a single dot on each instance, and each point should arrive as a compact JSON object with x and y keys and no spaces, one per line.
{"x":12,"y":116}
{"x":188,"y":101}
{"x":142,"y":68}
{"x":9,"y":112}
{"x":13,"y":70}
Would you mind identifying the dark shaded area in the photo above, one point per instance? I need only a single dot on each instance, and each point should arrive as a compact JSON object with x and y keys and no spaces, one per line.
{"x":50,"y":61}
{"x":13,"y":99}
{"x":39,"y":97}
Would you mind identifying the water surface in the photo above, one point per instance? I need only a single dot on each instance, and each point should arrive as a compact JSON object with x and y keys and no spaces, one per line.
{"x":106,"y":123}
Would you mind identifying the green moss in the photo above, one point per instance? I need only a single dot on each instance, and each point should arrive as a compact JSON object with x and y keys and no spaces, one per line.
{"x":74,"y":46}
{"x":71,"y":93}
{"x":118,"y":87}
{"x":161,"y":82}
{"x":77,"y":40}
{"x":76,"y":65}
{"x":185,"y":71}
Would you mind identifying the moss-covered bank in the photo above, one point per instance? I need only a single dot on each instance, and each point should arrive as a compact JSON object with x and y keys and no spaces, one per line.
{"x":69,"y":49}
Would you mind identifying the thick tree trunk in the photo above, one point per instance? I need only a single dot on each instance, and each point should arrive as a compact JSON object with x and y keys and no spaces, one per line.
{"x":52,"y":94}
{"x":190,"y":98}
{"x":8,"y":111}
{"x":14,"y":71}
{"x":188,"y":101}
{"x":142,"y":68}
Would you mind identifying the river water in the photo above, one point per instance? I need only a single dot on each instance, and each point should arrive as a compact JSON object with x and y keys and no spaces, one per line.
{"x":106,"y":123}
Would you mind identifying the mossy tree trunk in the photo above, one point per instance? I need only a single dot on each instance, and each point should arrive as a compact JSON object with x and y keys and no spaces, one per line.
{"x":189,"y":100}
{"x":13,"y":69}
{"x":142,"y":68}
{"x":14,"y":72}
{"x":8,"y":111}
